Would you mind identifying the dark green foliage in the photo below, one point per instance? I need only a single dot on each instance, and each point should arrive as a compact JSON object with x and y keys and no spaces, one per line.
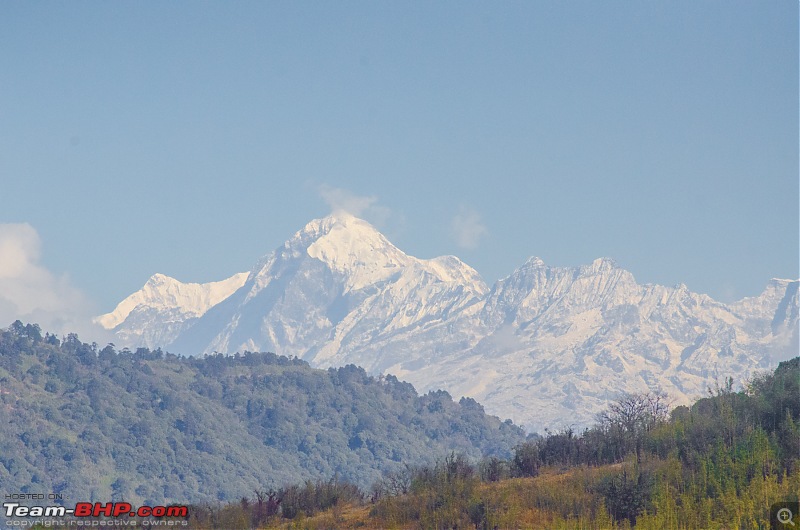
{"x":151,"y":426}
{"x":626,"y":497}
{"x":526,"y":461}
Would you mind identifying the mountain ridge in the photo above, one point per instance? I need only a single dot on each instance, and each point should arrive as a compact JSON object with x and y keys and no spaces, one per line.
{"x":541,"y":344}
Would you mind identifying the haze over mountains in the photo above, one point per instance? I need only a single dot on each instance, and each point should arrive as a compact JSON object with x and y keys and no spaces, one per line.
{"x":546,"y":346}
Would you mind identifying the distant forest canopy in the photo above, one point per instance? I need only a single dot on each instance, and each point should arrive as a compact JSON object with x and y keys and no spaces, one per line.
{"x":150,"y":427}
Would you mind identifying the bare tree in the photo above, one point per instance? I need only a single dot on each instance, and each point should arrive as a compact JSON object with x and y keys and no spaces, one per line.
{"x":392,"y":484}
{"x":634,"y":415}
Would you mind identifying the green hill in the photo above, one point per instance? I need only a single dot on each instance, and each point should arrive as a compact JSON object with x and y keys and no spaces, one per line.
{"x":150,"y":427}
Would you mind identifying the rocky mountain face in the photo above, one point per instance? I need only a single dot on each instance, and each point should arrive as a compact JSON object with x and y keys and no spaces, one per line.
{"x":546,"y":346}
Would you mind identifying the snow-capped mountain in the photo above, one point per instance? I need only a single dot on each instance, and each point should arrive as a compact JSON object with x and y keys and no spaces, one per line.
{"x":546,"y":346}
{"x":172,"y":304}
{"x":338,"y":293}
{"x":561,"y":342}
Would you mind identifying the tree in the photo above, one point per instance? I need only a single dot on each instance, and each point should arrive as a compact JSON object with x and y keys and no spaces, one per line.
{"x":626,"y":497}
{"x":634,"y":415}
{"x":526,"y":459}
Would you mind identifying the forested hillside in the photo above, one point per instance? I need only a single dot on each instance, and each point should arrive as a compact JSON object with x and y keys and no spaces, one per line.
{"x":720,"y":463}
{"x":151,"y":427}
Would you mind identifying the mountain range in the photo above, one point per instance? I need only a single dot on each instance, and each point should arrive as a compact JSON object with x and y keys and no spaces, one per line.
{"x":547,"y":347}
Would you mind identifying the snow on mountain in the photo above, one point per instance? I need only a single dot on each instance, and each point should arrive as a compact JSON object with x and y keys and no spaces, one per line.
{"x":332,"y":294}
{"x":561,"y":342}
{"x":169,"y":303}
{"x":546,"y":346}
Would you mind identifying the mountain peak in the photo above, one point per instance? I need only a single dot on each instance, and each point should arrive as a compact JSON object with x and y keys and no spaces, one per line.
{"x":350,"y":246}
{"x":165,"y":293}
{"x":342,"y":215}
{"x":534,"y":261}
{"x":159,"y":279}
{"x":334,"y":226}
{"x":604,"y":264}
{"x":357,"y":252}
{"x":335,"y":218}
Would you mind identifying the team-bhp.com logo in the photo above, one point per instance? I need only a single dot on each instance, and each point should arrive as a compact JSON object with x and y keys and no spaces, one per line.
{"x":14,"y":510}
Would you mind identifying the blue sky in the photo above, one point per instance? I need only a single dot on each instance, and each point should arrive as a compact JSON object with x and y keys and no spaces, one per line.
{"x":192,"y":138}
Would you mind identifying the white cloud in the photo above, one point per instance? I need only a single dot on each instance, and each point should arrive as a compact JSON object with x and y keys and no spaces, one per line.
{"x":468,"y":228}
{"x":31,"y":293}
{"x":364,"y":206}
{"x":19,"y":246}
